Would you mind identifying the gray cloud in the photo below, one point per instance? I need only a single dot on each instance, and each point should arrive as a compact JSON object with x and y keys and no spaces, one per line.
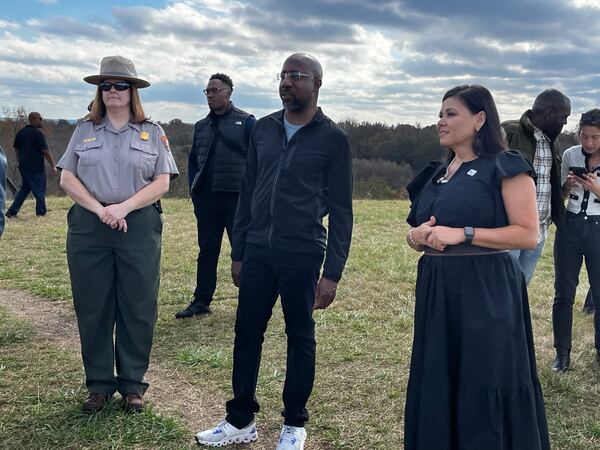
{"x":383,"y":59}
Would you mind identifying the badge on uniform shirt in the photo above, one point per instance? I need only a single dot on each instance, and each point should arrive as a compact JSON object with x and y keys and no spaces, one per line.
{"x":165,"y":140}
{"x":90,"y":139}
{"x":471,"y":172}
{"x":144,"y":135}
{"x":238,"y":122}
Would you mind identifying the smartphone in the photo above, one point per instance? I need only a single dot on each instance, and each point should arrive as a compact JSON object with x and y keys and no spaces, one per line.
{"x":578,"y":171}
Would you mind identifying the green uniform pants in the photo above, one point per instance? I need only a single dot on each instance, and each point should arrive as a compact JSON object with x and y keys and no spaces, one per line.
{"x":115,"y":280}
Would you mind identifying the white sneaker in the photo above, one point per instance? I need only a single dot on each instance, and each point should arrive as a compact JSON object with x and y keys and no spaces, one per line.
{"x":225,"y":434}
{"x":291,"y":438}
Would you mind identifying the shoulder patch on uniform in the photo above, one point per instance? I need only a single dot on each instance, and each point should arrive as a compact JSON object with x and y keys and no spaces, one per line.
{"x":165,"y":141}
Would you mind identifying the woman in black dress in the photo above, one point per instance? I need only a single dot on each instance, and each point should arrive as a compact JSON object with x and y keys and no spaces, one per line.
{"x":473,"y":382}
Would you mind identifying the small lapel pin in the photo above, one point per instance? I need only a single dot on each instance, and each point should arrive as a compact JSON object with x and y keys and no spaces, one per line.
{"x":471,"y":172}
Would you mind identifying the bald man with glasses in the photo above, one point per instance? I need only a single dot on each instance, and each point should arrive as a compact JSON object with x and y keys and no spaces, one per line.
{"x":299,"y":171}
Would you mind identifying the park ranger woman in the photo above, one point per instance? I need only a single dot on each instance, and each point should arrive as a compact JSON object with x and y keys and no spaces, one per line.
{"x":117,"y":166}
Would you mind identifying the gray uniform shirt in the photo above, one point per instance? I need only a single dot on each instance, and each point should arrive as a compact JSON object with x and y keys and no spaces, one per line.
{"x":115,"y":164}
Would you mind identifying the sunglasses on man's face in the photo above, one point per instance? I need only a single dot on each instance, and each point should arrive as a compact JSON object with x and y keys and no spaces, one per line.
{"x":119,"y":86}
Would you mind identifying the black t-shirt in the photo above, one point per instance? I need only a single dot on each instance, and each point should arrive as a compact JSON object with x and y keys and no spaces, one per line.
{"x":30,"y":142}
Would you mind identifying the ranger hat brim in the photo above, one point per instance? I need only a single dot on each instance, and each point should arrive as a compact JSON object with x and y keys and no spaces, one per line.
{"x":120,"y":68}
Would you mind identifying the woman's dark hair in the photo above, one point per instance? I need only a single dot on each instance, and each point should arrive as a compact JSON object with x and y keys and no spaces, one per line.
{"x":488,"y":140}
{"x":590,"y":118}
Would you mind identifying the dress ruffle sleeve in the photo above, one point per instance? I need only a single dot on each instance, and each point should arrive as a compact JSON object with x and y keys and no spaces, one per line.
{"x":415,"y":187}
{"x":511,"y":163}
{"x":416,"y":184}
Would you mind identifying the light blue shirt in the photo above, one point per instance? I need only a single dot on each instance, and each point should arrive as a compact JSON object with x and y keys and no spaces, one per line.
{"x":290,"y":128}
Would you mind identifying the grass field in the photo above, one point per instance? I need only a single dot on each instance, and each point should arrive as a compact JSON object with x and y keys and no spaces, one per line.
{"x":364,"y":342}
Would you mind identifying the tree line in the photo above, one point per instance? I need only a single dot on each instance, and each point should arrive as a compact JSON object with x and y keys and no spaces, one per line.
{"x":385,"y":157}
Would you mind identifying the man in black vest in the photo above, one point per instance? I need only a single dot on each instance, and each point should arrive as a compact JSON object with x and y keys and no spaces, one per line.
{"x":31,"y":150}
{"x":216,"y":164}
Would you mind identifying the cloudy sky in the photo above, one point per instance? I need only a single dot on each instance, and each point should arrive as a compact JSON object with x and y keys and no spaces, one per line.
{"x":386,"y":61}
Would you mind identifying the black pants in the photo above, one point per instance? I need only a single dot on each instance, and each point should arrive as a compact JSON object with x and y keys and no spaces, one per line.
{"x":579,"y":239}
{"x":265,"y":274}
{"x":36,"y":184}
{"x":214,"y":212}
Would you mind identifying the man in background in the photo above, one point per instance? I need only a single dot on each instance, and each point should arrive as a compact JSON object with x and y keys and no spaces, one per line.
{"x":216,"y":164}
{"x":535,"y":136}
{"x":31,"y":150}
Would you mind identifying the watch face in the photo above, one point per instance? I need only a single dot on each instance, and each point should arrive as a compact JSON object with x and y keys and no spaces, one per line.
{"x":469,"y":233}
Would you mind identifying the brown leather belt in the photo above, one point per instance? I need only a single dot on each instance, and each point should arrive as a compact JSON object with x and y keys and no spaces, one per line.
{"x":463,"y":250}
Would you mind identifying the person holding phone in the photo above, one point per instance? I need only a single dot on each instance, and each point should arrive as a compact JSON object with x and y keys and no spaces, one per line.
{"x":580,"y":238}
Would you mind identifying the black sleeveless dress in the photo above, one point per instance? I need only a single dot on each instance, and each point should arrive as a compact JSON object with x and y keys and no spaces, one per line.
{"x":473,"y":382}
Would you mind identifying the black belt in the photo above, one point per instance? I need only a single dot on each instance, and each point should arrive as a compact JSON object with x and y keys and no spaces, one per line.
{"x":463,"y":250}
{"x":156,"y":204}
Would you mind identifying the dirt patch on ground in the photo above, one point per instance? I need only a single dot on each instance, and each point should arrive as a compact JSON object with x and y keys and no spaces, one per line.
{"x":170,"y":393}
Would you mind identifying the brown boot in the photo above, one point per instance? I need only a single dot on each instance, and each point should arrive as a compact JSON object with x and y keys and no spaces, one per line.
{"x":94,"y":402}
{"x":134,"y":402}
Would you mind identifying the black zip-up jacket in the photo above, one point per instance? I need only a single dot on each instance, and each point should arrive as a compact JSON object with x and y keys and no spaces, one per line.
{"x":290,"y":186}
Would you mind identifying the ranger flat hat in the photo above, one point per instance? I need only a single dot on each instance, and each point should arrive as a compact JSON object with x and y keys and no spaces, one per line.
{"x":117,"y":67}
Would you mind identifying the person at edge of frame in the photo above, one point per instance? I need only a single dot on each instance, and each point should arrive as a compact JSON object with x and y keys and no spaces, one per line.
{"x":3,"y":169}
{"x":579,"y":238}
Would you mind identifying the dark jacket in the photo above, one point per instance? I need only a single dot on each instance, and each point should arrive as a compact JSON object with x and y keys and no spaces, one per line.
{"x":217,"y":159}
{"x":3,"y":168}
{"x":289,"y":187}
{"x":519,"y":135}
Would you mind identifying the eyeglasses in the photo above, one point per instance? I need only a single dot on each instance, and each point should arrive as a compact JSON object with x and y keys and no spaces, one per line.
{"x":295,"y":75}
{"x":119,"y":86}
{"x":214,"y":91}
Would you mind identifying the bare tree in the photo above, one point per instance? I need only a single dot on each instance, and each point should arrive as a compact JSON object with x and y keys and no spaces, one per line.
{"x":12,"y":121}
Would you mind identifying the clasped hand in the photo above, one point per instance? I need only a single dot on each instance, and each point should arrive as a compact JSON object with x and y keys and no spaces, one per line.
{"x":437,"y":236}
{"x":114,"y":216}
